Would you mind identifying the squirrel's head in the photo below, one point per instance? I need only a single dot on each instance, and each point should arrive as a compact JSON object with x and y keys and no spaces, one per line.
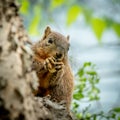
{"x":52,"y":44}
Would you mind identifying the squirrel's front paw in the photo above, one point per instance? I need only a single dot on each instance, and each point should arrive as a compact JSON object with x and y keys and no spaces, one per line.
{"x":52,"y":65}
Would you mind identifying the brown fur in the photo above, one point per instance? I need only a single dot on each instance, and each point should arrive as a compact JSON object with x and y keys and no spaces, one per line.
{"x":50,"y":61}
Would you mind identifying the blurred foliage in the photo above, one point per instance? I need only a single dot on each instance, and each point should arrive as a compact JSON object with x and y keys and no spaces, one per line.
{"x":116,"y":27}
{"x":56,"y":3}
{"x":40,"y":12}
{"x":72,"y":14}
{"x":87,"y":79}
{"x":86,"y":90}
{"x":24,"y":7}
{"x":98,"y":26}
{"x":33,"y":28}
{"x":113,"y":114}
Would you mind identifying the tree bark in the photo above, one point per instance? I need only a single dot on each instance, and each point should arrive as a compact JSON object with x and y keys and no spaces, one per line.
{"x":16,"y":99}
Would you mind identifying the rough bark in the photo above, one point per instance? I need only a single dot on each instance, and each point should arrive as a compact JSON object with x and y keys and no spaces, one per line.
{"x":16,"y":99}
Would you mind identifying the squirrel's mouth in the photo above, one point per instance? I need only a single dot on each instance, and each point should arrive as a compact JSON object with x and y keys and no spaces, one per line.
{"x":59,"y":56}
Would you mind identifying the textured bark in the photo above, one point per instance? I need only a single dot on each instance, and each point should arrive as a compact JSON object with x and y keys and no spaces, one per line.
{"x":16,"y":80}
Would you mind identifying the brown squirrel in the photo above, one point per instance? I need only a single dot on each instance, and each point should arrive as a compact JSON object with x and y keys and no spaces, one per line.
{"x":50,"y":61}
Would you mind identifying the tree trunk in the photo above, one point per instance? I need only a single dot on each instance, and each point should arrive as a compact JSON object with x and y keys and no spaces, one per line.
{"x":16,"y":99}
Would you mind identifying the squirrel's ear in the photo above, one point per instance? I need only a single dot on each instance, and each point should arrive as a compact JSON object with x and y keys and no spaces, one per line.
{"x":68,"y":37}
{"x":47,"y":32}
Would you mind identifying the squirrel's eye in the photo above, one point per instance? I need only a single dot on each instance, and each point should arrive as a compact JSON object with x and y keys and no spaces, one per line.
{"x":50,"y":40}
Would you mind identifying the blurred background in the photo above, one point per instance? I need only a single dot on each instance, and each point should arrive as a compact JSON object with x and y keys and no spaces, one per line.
{"x":94,"y":29}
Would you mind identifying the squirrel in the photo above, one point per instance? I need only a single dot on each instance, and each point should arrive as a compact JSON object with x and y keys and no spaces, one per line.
{"x":50,"y":61}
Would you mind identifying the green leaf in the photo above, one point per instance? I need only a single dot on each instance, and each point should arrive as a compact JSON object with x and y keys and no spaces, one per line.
{"x":82,"y":85}
{"x":24,"y":7}
{"x":33,"y":28}
{"x":78,"y":96}
{"x":91,"y":98}
{"x":116,"y":27}
{"x":83,"y":79}
{"x":98,"y":26}
{"x":95,"y":117}
{"x":95,"y":90}
{"x":79,"y":115}
{"x":96,"y":80}
{"x":88,"y":115}
{"x":75,"y":105}
{"x":56,"y":3}
{"x":97,"y":97}
{"x":81,"y":72}
{"x":87,"y":13}
{"x":113,"y":115}
{"x":73,"y":13}
{"x":91,"y":72}
{"x":87,"y":64}
{"x":117,"y":110}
